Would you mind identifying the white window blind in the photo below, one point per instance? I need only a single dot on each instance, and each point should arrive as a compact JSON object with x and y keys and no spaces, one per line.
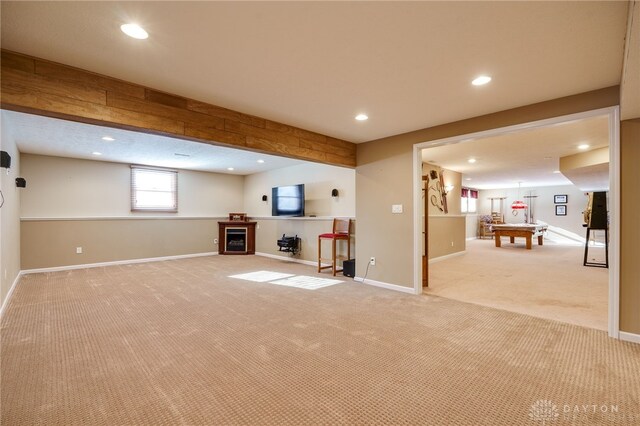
{"x":154,"y":190}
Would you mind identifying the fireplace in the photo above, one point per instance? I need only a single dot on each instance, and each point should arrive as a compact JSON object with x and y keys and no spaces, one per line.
{"x":235,"y":240}
{"x":237,"y":237}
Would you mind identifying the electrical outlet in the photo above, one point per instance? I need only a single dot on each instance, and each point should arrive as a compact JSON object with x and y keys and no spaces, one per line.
{"x":372,"y":261}
{"x":215,"y":241}
{"x":78,"y":250}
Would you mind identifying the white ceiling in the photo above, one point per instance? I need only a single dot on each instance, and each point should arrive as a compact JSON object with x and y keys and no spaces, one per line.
{"x":317,"y":64}
{"x":49,"y":136}
{"x":527,"y":157}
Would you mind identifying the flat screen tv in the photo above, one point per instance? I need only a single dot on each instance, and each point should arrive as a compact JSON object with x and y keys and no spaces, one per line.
{"x":287,"y":200}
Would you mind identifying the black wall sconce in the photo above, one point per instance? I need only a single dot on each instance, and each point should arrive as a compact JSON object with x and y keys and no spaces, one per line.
{"x":334,"y":192}
{"x":264,"y":198}
{"x":5,"y":160}
{"x":21,"y":182}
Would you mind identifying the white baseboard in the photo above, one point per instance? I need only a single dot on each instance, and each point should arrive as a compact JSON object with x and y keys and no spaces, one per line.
{"x":388,"y":286}
{"x":446,"y":256}
{"x":290,"y":259}
{"x":5,"y":303}
{"x":471,"y":238}
{"x":116,"y":262}
{"x":629,"y":337}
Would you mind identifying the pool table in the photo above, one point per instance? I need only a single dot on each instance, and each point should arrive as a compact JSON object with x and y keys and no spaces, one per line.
{"x":513,"y":230}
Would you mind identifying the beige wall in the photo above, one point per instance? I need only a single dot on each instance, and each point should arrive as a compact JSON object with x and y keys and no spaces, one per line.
{"x":319,"y":180}
{"x":630,"y":230}
{"x":446,"y":230}
{"x":543,"y":205}
{"x":447,"y":235}
{"x":71,"y":188}
{"x":584,"y":159}
{"x":80,"y":203}
{"x":9,"y":216}
{"x":307,"y":229}
{"x":471,"y":223}
{"x":384,"y":177}
{"x":52,"y":243}
{"x":71,"y":203}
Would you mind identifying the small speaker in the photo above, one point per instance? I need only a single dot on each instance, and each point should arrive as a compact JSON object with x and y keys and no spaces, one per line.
{"x":334,"y":192}
{"x":21,"y":182}
{"x":349,"y":268}
{"x":264,"y":198}
{"x":5,"y":159}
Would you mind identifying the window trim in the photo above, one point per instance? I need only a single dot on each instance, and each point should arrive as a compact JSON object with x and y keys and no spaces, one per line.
{"x":133,"y":190}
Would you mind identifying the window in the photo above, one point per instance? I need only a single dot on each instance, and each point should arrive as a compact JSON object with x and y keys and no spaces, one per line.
{"x":154,"y":190}
{"x":469,"y":201}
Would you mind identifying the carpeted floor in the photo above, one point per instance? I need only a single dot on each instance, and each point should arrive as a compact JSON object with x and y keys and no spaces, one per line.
{"x":178,"y":342}
{"x":547,"y":281}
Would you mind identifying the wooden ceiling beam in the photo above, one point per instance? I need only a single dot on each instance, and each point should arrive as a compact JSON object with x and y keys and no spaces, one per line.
{"x":41,"y":87}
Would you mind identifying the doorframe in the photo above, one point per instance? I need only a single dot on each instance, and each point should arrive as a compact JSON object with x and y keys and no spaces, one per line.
{"x":613,"y":114}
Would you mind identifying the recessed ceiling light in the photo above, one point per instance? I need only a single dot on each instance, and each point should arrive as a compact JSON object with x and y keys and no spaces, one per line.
{"x":481,"y":80}
{"x":583,"y":146}
{"x":472,"y":160}
{"x":96,"y":153}
{"x":135,"y":31}
{"x":230,"y":169}
{"x":260,"y":161}
{"x":108,"y":138}
{"x":362,"y":117}
{"x":468,"y":179}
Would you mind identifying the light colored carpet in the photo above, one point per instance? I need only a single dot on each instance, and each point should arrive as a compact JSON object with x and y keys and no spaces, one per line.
{"x":547,"y":281}
{"x":178,"y":342}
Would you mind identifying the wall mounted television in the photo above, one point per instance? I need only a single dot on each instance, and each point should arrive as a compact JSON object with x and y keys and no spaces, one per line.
{"x":287,"y":200}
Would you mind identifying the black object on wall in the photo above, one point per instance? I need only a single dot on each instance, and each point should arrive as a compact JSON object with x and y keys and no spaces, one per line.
{"x":349,"y":268}
{"x":289,"y":244}
{"x":5,"y":159}
{"x":264,"y":198}
{"x":334,"y":192}
{"x":21,"y":182}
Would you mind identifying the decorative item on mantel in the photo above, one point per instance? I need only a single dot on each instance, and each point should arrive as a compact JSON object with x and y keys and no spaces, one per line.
{"x":238,"y":217}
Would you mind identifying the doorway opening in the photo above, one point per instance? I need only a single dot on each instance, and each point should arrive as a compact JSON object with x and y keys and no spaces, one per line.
{"x":540,"y":204}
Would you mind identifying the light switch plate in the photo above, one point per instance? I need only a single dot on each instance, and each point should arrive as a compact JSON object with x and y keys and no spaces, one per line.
{"x":396,"y":208}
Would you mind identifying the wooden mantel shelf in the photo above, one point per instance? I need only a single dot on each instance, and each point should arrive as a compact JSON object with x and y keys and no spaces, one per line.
{"x":38,"y":86}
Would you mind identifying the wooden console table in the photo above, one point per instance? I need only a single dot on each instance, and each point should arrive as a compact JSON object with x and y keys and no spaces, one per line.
{"x":237,"y":237}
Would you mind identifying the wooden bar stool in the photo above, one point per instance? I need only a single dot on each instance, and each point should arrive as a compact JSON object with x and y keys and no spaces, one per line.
{"x":341,"y":231}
